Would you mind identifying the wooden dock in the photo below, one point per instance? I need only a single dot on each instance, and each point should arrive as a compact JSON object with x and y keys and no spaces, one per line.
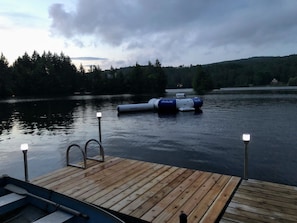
{"x":146,"y":191}
{"x":258,"y":201}
{"x":158,"y":193}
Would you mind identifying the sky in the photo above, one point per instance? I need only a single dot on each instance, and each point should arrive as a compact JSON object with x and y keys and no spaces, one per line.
{"x":121,"y":33}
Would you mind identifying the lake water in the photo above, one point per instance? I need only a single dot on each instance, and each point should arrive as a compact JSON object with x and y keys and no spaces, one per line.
{"x":208,"y":141}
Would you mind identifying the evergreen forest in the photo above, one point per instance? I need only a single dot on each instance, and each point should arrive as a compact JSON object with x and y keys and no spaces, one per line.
{"x":255,"y":71}
{"x":51,"y":74}
{"x":55,"y":75}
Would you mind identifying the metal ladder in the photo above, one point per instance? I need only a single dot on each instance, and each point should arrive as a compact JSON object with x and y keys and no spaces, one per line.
{"x":85,"y":154}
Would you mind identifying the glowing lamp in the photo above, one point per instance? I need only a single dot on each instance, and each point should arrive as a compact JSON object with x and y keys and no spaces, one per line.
{"x":24,"y":147}
{"x":246,"y":138}
{"x":99,"y":114}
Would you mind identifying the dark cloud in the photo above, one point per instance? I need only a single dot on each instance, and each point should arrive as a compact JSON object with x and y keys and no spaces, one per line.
{"x":118,"y":21}
{"x":256,"y":24}
{"x":63,"y":22}
{"x":178,"y":25}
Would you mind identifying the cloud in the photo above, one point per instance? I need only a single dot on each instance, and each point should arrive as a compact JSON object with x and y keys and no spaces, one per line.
{"x":13,"y":19}
{"x":88,"y":58}
{"x":117,"y":21}
{"x":257,"y":24}
{"x":62,"y":21}
{"x":171,"y":28}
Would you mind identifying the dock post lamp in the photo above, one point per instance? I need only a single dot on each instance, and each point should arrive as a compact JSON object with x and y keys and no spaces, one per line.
{"x":99,"y":115}
{"x":246,"y":139}
{"x":24,"y":148}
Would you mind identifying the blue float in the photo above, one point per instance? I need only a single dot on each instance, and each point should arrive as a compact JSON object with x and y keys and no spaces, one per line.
{"x":180,"y":103}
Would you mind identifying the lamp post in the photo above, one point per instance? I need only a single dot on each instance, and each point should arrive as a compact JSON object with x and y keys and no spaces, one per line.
{"x":99,"y":115}
{"x":246,"y":139}
{"x":24,"y":148}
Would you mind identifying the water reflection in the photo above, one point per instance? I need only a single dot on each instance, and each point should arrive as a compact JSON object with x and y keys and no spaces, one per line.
{"x":209,"y":141}
{"x":6,"y":119}
{"x":34,"y":118}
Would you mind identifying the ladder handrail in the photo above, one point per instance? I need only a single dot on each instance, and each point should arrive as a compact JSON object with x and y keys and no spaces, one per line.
{"x":101,"y":150}
{"x":84,"y":166}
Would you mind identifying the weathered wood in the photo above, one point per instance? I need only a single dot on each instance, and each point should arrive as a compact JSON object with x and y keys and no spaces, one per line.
{"x":258,"y":201}
{"x":107,"y":193}
{"x":147,"y":200}
{"x":103,"y":179}
{"x":148,"y":191}
{"x":133,"y":192}
{"x":60,"y":174}
{"x":217,"y":182}
{"x":196,"y":192}
{"x":78,"y":177}
{"x":162,"y":205}
{"x":215,"y":210}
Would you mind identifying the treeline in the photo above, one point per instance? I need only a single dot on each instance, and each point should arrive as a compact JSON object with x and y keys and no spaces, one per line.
{"x":257,"y":71}
{"x":49,"y":74}
{"x":136,"y":80}
{"x":52,"y":74}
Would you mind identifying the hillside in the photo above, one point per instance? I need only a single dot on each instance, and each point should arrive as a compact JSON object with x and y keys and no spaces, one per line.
{"x":255,"y":71}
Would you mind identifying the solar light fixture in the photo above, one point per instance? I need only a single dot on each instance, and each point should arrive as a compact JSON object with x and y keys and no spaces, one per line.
{"x":24,"y":149}
{"x":99,"y":116}
{"x":246,"y":139}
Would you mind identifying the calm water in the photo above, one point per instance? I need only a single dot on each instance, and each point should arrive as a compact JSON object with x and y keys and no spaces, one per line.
{"x":209,"y":141}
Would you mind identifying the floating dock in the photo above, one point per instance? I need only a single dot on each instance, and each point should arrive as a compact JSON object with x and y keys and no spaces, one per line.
{"x":150,"y":192}
{"x":164,"y":105}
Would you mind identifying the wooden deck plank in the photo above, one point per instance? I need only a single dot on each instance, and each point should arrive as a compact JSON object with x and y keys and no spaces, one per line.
{"x":118,"y":185}
{"x":165,"y":201}
{"x":61,"y":173}
{"x":259,"y":213}
{"x":148,"y":191}
{"x":133,"y":192}
{"x":287,"y":193}
{"x":116,"y":188}
{"x":215,"y":210}
{"x":270,"y":185}
{"x":218,"y":182}
{"x":153,"y":195}
{"x":258,"y":201}
{"x":233,"y":215}
{"x":147,"y":200}
{"x":162,"y":205}
{"x":195,"y":192}
{"x":179,"y":196}
{"x":105,"y":171}
{"x":262,"y":201}
{"x":101,"y":181}
{"x":126,"y":190}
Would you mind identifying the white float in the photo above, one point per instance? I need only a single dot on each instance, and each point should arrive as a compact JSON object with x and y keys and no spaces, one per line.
{"x":180,"y":103}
